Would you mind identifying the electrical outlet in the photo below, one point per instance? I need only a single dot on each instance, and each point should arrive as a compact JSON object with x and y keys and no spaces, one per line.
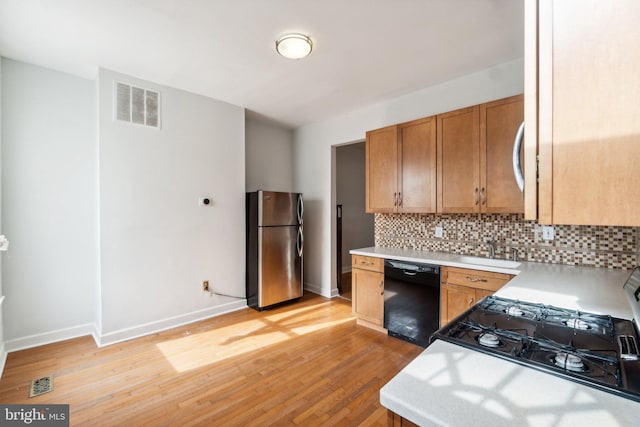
{"x":548,"y":233}
{"x":205,"y":286}
{"x":438,"y":231}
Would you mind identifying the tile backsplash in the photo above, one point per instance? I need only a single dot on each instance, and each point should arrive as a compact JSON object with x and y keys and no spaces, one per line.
{"x":468,"y":234}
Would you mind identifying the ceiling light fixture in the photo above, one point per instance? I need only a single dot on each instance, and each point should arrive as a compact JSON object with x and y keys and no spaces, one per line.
{"x":294,"y":46}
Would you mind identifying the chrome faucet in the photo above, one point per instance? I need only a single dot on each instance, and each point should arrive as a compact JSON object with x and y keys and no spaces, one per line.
{"x":492,"y":248}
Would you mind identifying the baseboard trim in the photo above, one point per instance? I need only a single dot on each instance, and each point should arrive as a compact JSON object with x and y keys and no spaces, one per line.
{"x":168,"y":323}
{"x":113,"y":337}
{"x":320,"y":291}
{"x":96,"y":333}
{"x":48,"y":337}
{"x":3,"y":352}
{"x":3,"y":358}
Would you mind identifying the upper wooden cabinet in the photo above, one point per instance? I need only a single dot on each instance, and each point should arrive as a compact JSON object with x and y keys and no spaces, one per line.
{"x":459,"y":161}
{"x":401,"y":168}
{"x":475,"y":148}
{"x":582,"y":95}
{"x":382,"y":170}
{"x":499,"y":122}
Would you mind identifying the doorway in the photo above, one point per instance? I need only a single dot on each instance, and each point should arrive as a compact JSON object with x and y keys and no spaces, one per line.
{"x":355,"y":227}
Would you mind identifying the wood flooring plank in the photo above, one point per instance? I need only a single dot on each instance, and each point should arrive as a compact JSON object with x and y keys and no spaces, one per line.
{"x":305,"y":363}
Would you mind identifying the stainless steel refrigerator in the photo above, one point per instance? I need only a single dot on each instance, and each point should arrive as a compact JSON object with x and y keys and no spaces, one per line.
{"x":274,"y":248}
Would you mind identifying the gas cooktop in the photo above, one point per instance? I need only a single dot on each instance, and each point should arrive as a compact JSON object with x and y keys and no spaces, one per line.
{"x":596,"y":350}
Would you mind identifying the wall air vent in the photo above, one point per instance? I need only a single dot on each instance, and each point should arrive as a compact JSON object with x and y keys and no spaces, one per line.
{"x":137,"y":105}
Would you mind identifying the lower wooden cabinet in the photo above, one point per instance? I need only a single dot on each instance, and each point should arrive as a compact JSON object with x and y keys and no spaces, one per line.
{"x":367,"y":283}
{"x":461,"y":288}
{"x":395,"y":420}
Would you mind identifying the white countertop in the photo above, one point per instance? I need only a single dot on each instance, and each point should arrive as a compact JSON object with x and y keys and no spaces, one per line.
{"x":449,"y":385}
{"x":596,"y":290}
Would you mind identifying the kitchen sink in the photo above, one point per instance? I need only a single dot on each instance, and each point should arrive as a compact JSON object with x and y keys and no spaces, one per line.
{"x":492,"y":262}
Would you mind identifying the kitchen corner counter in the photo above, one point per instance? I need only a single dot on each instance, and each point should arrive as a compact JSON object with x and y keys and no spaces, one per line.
{"x":596,"y":290}
{"x":449,"y":385}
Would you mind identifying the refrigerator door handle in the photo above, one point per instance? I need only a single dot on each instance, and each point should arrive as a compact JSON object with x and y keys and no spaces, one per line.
{"x":300,"y":209}
{"x":300,"y":242}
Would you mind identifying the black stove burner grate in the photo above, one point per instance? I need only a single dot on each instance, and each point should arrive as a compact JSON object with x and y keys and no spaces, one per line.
{"x":579,"y":321}
{"x":583,"y":347}
{"x":595,"y":364}
{"x":512,"y":308}
{"x":508,"y":341}
{"x":546,"y":314}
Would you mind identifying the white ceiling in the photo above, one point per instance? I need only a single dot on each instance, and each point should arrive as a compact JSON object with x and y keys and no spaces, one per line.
{"x":365,"y":51}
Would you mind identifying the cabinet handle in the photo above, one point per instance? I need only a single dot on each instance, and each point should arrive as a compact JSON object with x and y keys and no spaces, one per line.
{"x":476,"y":279}
{"x":483,"y":196}
{"x":470,"y":302}
{"x":400,"y":198}
{"x":475,"y":195}
{"x":395,"y":199}
{"x":381,"y":287}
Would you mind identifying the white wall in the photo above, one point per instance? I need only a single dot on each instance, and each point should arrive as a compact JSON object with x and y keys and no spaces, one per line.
{"x":48,"y":203}
{"x":106,"y":233}
{"x":357,"y":224}
{"x":157,"y":244}
{"x":121,"y":241}
{"x":269,"y":156}
{"x":314,"y":156}
{"x":3,"y":353}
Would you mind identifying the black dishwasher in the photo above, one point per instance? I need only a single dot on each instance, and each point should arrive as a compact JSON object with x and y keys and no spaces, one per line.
{"x":411,"y":300}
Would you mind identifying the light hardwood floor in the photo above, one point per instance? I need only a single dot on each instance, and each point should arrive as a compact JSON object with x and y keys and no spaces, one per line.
{"x":305,"y":363}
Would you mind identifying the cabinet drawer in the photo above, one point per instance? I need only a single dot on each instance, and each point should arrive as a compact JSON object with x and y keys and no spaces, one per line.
{"x":477,"y":279}
{"x":367,"y":263}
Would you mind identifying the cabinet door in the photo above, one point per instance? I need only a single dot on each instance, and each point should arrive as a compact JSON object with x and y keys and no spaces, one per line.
{"x":499,"y":122}
{"x":459,"y":161}
{"x":530,"y":144}
{"x":382,"y":170}
{"x":417,"y":177}
{"x":368,"y":295}
{"x":589,"y":120}
{"x":455,"y":300}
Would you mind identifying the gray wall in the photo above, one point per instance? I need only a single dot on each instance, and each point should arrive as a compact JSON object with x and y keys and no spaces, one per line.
{"x":49,"y":200}
{"x":357,"y":225}
{"x":269,"y":156}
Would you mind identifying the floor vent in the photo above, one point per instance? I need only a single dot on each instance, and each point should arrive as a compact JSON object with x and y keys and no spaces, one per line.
{"x":41,"y":386}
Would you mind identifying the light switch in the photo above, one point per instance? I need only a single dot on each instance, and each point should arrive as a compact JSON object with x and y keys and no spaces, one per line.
{"x":438,"y":231}
{"x":548,"y":233}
